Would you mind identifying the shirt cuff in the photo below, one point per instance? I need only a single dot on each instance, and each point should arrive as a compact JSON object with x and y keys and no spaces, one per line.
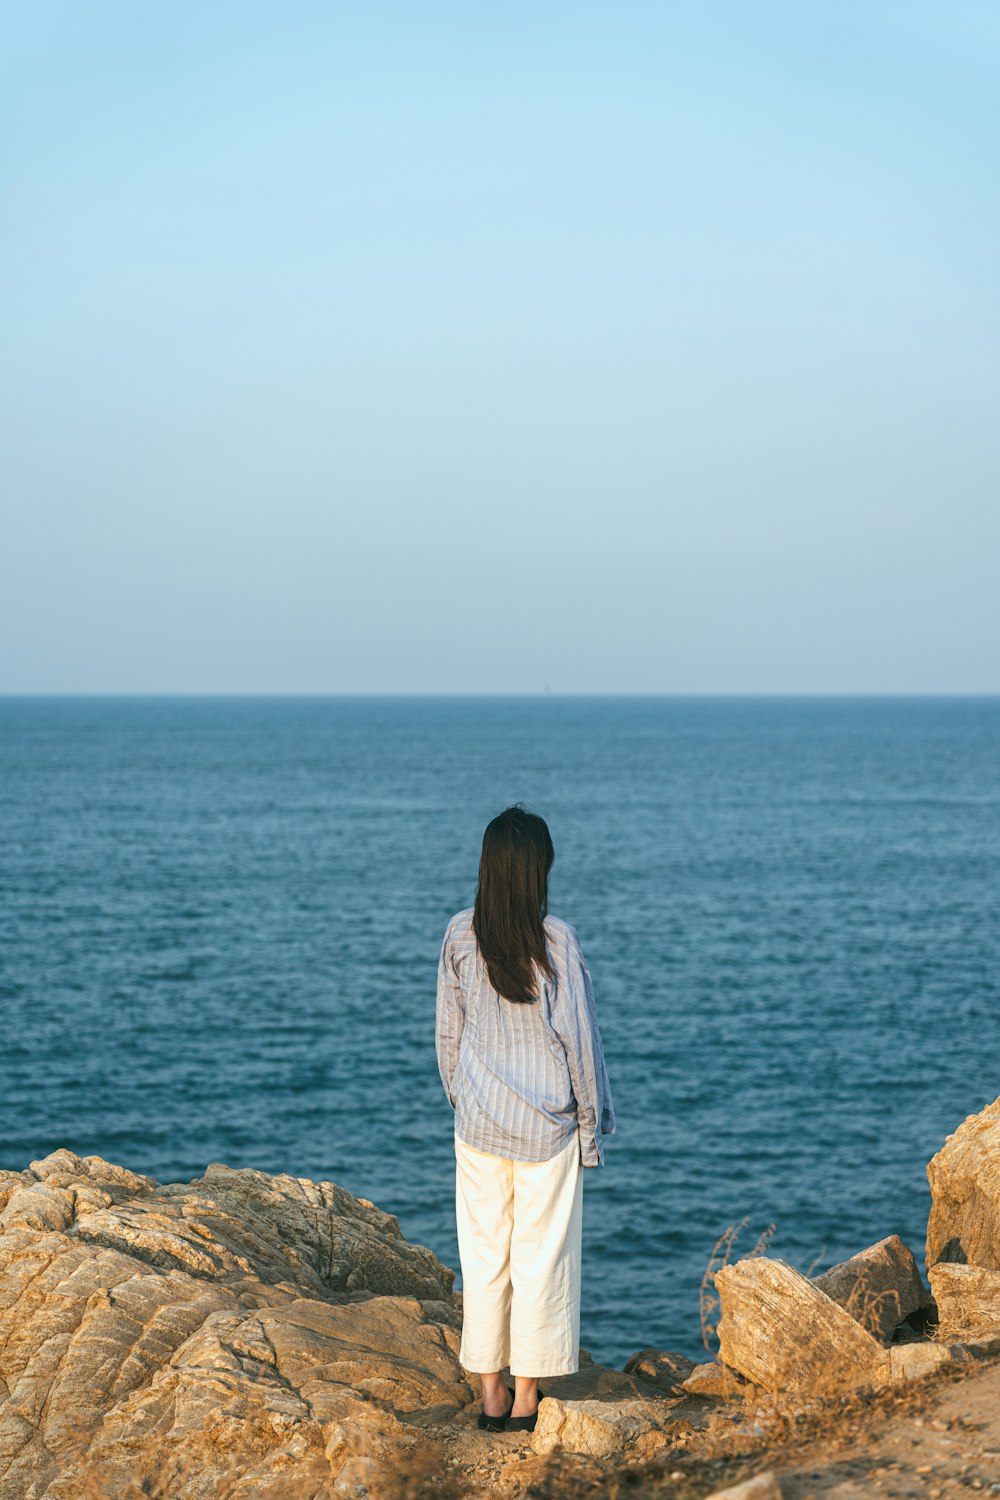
{"x":591,"y":1150}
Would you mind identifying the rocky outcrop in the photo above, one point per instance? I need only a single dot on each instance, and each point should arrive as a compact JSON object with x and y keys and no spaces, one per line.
{"x":879,"y":1287}
{"x":147,"y":1329}
{"x":968,"y":1299}
{"x":870,"y":1320}
{"x":241,"y":1229}
{"x":964,"y":1177}
{"x":243,"y":1331}
{"x":780,"y":1331}
{"x":963,"y":1229}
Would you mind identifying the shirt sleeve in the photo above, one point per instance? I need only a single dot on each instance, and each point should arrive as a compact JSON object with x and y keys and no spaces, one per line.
{"x":574,"y":1018}
{"x":450,"y":1021}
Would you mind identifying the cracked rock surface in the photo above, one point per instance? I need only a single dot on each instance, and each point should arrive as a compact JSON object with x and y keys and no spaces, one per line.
{"x":144,"y":1325}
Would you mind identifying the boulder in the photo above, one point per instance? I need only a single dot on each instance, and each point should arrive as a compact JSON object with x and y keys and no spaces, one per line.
{"x":964,"y":1177}
{"x":713,"y":1379}
{"x":782,"y":1332}
{"x":879,"y":1286}
{"x":601,"y":1429}
{"x":660,"y":1367}
{"x":968,"y":1300}
{"x":219,"y":1332}
{"x":914,"y":1361}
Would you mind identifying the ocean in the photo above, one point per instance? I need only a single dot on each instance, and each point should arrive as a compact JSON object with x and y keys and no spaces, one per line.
{"x":220,"y":922}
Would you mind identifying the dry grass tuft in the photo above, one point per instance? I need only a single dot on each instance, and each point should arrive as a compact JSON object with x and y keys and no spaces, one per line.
{"x":867,"y":1307}
{"x":708,"y":1297}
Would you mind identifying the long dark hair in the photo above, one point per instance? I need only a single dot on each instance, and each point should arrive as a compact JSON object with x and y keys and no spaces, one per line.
{"x":512,"y":899}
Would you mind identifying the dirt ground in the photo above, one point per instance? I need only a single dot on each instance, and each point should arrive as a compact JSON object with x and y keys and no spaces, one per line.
{"x":934,"y":1439}
{"x":946,"y":1445}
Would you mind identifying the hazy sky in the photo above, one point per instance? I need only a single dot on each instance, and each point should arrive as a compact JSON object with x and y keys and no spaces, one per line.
{"x":617,"y":347}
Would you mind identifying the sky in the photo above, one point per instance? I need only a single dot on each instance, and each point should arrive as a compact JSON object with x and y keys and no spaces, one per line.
{"x":500,"y":348}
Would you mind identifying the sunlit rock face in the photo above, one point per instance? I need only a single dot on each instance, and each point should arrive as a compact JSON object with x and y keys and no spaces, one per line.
{"x":963,"y":1229}
{"x":240,"y":1324}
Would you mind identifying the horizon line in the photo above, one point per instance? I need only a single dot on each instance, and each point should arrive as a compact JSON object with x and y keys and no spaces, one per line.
{"x":314,"y":694}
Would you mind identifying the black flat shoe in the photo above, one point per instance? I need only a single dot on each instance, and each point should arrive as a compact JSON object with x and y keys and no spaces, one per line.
{"x":495,"y":1424}
{"x":525,"y":1424}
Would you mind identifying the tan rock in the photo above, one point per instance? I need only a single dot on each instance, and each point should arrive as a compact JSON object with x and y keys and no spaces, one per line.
{"x":600,"y":1429}
{"x":333,"y":1379}
{"x":968,"y":1300}
{"x":964,"y":1176}
{"x":660,"y":1367}
{"x":914,"y":1361}
{"x":779,"y":1330}
{"x":879,"y":1286}
{"x":713,"y":1379}
{"x":238,"y":1327}
{"x":764,"y":1486}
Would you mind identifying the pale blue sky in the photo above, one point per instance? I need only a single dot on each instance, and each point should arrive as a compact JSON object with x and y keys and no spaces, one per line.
{"x":638,"y":347}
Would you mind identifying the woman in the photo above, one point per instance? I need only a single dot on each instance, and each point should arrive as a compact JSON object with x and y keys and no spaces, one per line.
{"x":520,"y":1056}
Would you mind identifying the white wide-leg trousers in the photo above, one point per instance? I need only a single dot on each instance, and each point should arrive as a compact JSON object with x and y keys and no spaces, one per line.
{"x":520,"y":1229}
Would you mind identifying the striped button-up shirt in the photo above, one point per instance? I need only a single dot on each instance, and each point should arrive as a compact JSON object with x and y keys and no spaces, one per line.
{"x":523,"y":1079}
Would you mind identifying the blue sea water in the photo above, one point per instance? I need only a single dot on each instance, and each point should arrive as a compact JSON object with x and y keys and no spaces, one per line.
{"x":220,"y":922}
